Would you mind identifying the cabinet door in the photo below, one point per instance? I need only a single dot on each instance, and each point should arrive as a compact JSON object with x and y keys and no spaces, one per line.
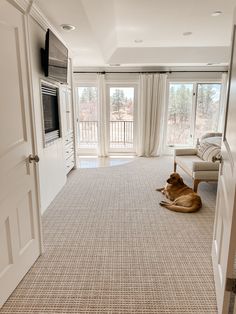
{"x":68,"y":134}
{"x":69,"y":113}
{"x":66,"y":111}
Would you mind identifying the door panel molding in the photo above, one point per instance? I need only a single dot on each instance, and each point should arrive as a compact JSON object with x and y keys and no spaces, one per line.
{"x":19,"y":211}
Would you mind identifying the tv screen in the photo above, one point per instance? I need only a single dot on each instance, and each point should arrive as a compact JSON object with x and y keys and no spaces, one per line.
{"x":55,"y":58}
{"x":50,"y":113}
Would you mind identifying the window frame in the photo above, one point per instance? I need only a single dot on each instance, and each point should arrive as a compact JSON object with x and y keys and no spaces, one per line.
{"x":120,"y":84}
{"x":167,"y":149}
{"x":84,"y":150}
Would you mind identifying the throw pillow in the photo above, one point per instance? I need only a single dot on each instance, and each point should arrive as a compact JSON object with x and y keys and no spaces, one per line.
{"x":206,"y":151}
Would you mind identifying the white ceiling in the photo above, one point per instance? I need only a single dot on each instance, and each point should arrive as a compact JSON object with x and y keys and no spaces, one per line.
{"x":106,"y":31}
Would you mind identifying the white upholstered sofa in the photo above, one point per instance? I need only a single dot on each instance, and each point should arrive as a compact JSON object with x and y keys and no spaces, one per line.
{"x":197,"y":162}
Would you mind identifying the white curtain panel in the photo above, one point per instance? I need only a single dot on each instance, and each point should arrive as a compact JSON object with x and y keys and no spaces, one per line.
{"x":152,"y":90}
{"x":102,"y":116}
{"x":223,"y":100}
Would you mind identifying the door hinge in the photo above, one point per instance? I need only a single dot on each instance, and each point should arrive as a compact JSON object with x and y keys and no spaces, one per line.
{"x":230,"y":285}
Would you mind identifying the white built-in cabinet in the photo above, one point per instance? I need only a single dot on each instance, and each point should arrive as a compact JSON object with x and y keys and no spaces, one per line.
{"x":67,"y":126}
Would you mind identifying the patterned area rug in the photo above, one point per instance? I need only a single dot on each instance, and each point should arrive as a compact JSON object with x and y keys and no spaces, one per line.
{"x":110,"y":247}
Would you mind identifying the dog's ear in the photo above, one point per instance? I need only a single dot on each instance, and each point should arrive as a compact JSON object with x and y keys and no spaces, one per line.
{"x":180,"y":180}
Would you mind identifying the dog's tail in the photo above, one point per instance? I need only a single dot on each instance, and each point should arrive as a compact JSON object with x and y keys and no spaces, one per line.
{"x":181,"y":209}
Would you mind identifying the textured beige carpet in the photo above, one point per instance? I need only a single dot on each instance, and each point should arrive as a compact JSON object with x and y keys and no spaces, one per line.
{"x":110,"y":248}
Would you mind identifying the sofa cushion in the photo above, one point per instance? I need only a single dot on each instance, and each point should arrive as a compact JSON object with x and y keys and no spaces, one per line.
{"x":185,"y":151}
{"x":206,"y":175}
{"x":193,"y":164}
{"x":206,"y":151}
{"x":186,"y":162}
{"x":205,"y":166}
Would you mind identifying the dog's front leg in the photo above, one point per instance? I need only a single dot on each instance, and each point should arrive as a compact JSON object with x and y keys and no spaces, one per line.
{"x":160,"y":190}
{"x":164,"y":203}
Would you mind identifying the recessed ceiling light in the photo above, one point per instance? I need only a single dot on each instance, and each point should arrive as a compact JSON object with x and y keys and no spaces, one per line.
{"x":216,"y":13}
{"x":137,"y":41}
{"x":187,"y":33}
{"x":67,"y":27}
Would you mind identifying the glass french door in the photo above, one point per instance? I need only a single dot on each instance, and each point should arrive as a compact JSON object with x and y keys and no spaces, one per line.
{"x":193,"y":110}
{"x":87,"y":117}
{"x":119,"y":124}
{"x":121,"y":118}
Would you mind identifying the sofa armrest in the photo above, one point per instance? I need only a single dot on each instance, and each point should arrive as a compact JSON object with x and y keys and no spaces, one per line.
{"x":205,"y":166}
{"x":185,"y":151}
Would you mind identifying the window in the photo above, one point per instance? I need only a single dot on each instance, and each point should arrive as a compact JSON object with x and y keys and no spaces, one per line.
{"x":117,"y":124}
{"x":88,"y":117}
{"x":193,"y":110}
{"x":208,"y":108}
{"x":121,"y":117}
{"x":179,"y":114}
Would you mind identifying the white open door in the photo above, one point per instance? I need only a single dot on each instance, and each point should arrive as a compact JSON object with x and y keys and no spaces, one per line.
{"x":224,"y":239}
{"x":19,"y":216}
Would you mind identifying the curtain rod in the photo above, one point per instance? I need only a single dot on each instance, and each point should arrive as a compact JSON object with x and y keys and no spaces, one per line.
{"x":139,"y":72}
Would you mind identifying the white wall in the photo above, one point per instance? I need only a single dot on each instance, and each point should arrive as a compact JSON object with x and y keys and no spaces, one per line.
{"x":52,"y":175}
{"x":199,"y":76}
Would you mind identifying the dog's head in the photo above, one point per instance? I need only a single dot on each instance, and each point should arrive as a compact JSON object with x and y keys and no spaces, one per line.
{"x":175,"y":178}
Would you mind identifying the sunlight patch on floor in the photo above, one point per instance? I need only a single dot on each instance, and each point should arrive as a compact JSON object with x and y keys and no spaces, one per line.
{"x":96,"y":162}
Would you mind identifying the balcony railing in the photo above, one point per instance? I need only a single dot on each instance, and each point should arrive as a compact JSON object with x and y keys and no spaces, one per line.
{"x":88,"y":134}
{"x":121,"y":134}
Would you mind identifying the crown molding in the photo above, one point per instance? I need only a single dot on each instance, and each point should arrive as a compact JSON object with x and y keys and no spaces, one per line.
{"x":43,"y":21}
{"x":30,"y":8}
{"x":39,"y":17}
{"x":23,"y":5}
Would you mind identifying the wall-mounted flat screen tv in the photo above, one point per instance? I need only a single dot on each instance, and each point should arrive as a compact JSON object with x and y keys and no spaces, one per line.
{"x":55,"y":58}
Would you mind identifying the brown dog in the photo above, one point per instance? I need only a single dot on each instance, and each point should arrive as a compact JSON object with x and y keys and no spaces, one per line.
{"x":183,"y":198}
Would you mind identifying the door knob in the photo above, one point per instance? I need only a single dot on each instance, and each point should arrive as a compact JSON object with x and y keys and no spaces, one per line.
{"x":217,"y":158}
{"x":33,"y":158}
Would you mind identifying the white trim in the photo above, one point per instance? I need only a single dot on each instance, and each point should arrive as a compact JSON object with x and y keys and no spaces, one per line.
{"x":43,"y":21}
{"x":38,"y":16}
{"x":195,"y":76}
{"x":33,"y":131}
{"x":85,"y":84}
{"x":28,"y":7}
{"x":74,"y":114}
{"x":194,"y":80}
{"x":122,"y":83}
{"x":22,"y":5}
